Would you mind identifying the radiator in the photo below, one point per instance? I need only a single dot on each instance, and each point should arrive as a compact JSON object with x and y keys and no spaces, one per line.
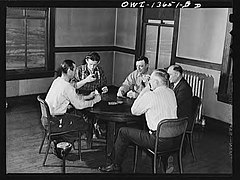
{"x":197,"y":82}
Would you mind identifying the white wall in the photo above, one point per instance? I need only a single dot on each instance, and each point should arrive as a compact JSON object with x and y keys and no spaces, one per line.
{"x":205,"y":30}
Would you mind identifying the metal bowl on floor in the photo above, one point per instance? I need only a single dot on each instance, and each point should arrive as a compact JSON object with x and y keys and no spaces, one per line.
{"x":63,"y":148}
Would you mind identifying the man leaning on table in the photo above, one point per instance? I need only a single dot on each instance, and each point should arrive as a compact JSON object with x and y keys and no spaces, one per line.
{"x":157,"y":102}
{"x":136,"y":80}
{"x":59,"y":97}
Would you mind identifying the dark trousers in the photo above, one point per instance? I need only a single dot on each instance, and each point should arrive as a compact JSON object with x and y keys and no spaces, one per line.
{"x":142,"y":138}
{"x":68,"y":122}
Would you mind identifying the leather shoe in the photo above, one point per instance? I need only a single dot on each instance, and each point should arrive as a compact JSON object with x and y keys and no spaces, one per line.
{"x":110,"y":168}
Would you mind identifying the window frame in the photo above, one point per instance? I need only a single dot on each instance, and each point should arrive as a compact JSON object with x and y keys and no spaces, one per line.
{"x":41,"y":72}
{"x":141,"y":31}
{"x":145,"y":24}
{"x":225,"y":87}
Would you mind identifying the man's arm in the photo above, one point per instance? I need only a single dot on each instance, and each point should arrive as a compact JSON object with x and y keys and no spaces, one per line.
{"x":81,"y":83}
{"x":78,"y":101}
{"x":183,"y":94}
{"x":128,"y":82}
{"x":141,"y":104}
{"x":77,"y":82}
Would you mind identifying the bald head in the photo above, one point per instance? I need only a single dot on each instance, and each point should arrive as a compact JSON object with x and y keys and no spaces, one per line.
{"x":158,"y":78}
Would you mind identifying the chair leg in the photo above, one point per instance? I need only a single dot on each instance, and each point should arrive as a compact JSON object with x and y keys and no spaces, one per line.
{"x":135,"y":159}
{"x":180,"y":162}
{"x":47,"y":151}
{"x":40,"y":149}
{"x":79,"y":146}
{"x":63,"y":164}
{"x":155,"y":164}
{"x":191,"y":146}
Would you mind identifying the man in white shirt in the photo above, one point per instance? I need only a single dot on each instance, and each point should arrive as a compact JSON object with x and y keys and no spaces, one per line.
{"x":157,"y":102}
{"x":136,"y":80}
{"x":60,"y":95}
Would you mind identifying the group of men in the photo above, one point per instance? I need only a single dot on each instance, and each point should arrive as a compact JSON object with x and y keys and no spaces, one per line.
{"x":152,"y":93}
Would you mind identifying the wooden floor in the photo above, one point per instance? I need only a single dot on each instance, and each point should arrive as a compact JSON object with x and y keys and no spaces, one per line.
{"x":24,"y":135}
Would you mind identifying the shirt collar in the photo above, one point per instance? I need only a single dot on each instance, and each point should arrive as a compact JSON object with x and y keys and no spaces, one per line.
{"x":139,"y":75}
{"x":160,"y":87}
{"x":175,"y":84}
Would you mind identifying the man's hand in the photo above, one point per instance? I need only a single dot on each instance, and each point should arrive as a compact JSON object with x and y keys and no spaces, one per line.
{"x":120,"y":93}
{"x":104,"y":89}
{"x":90,"y":78}
{"x":97,"y":98}
{"x":92,"y":95}
{"x":145,"y":78}
{"x":69,"y":106}
{"x":132,"y":94}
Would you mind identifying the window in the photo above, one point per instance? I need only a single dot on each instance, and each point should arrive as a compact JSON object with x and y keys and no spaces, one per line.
{"x":27,"y":42}
{"x":158,"y":27}
{"x":158,"y":44}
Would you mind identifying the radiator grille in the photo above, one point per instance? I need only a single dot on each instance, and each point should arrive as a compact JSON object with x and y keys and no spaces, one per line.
{"x":197,"y":82}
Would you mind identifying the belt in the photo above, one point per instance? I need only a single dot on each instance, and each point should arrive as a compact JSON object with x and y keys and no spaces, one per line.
{"x":152,"y":132}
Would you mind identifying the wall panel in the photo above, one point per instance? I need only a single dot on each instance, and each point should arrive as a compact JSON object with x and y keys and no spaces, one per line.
{"x":202,"y":34}
{"x":126,"y":27}
{"x":85,"y":26}
{"x":12,"y":88}
{"x":123,"y":66}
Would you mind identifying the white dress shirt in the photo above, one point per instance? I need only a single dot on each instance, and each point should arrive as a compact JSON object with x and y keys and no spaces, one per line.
{"x":157,"y":105}
{"x":61,"y":94}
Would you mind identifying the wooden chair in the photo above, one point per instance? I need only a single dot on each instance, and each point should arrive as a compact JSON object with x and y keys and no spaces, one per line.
{"x":196,"y":103}
{"x":46,"y":120}
{"x":172,"y":129}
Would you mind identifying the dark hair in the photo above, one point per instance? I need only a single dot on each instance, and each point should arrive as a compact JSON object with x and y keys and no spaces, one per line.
{"x":66,"y":64}
{"x":143,"y":58}
{"x":163,"y":74}
{"x":178,"y":68}
{"x":94,"y":56}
